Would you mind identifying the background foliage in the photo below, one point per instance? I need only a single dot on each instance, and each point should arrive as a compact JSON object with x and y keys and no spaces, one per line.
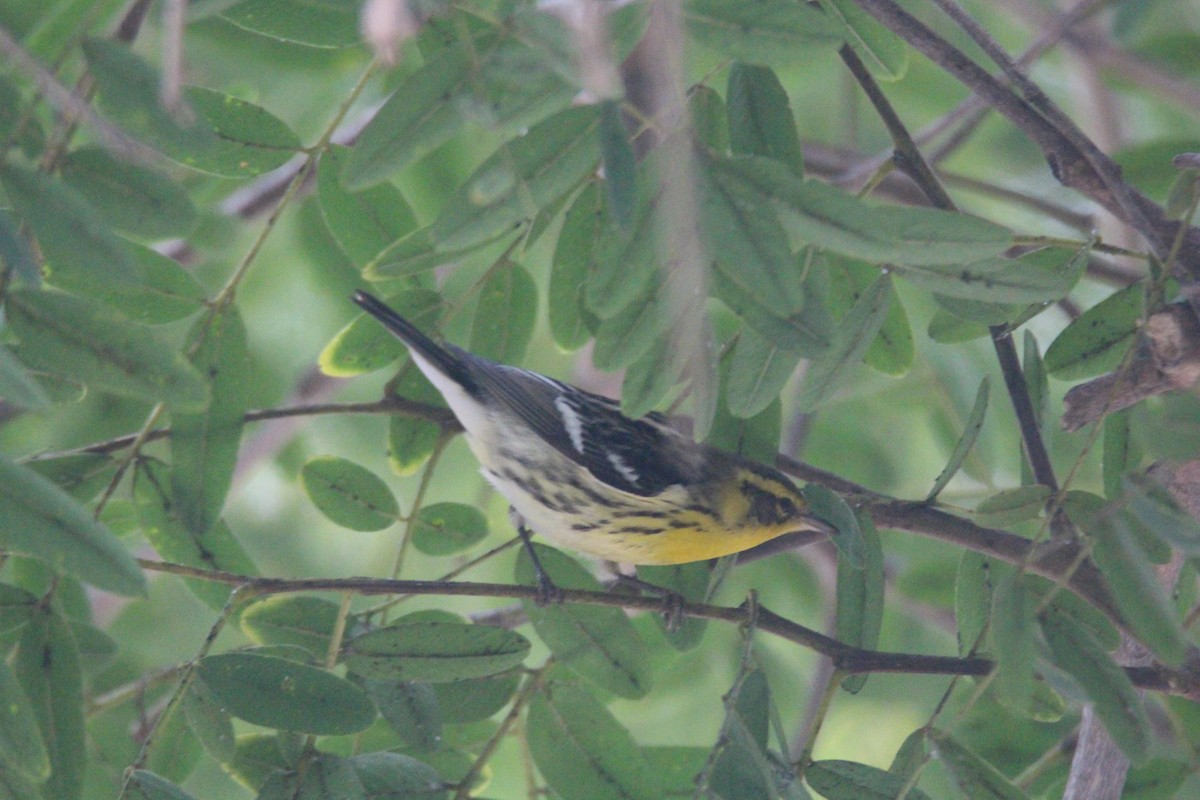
{"x":789,"y":221}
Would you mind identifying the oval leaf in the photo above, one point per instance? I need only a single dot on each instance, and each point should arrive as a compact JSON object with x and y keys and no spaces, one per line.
{"x":763,"y":32}
{"x":435,"y":651}
{"x":287,"y":695}
{"x":442,"y":529}
{"x":760,"y":116}
{"x":300,"y":620}
{"x":131,"y":198}
{"x":582,"y":751}
{"x":348,"y":494}
{"x":847,"y":780}
{"x":860,"y":598}
{"x":1097,"y":341}
{"x":89,"y":343}
{"x":43,"y":521}
{"x":1076,"y":651}
{"x":598,"y":643}
{"x":503,"y":321}
{"x":977,"y":779}
{"x":21,"y":748}
{"x":527,"y":173}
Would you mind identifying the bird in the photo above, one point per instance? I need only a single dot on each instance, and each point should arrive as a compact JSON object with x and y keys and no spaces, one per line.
{"x":582,"y":475}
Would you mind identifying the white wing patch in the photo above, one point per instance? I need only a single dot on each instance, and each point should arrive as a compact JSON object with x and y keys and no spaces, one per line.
{"x":571,"y":422}
{"x":627,"y":472}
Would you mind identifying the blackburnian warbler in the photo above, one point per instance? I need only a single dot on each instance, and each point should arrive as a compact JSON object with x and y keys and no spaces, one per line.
{"x":584,"y":476}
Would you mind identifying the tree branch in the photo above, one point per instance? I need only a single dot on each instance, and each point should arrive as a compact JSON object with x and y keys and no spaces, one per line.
{"x":849,"y":659}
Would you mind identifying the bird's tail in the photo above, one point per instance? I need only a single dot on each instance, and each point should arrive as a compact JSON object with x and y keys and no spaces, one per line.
{"x":441,"y":358}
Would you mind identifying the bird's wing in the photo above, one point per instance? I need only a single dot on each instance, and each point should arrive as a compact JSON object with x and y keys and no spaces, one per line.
{"x":641,"y":457}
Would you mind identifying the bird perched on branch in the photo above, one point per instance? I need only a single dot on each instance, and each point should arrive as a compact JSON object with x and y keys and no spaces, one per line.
{"x":586,"y":477}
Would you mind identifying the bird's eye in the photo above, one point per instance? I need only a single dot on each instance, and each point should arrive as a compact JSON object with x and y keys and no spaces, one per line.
{"x":786,"y":507}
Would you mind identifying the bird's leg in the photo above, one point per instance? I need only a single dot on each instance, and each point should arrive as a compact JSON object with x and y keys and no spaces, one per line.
{"x":547,"y":592}
{"x":673,"y":602}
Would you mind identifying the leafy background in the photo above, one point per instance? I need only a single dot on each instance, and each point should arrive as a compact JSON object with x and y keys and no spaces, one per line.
{"x":192,"y":192}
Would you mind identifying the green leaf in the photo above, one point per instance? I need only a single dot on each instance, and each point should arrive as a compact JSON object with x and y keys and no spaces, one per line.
{"x":215,"y":548}
{"x":965,"y":442}
{"x":1153,"y":507}
{"x":131,"y":198}
{"x":758,"y":370}
{"x":145,"y":785}
{"x":21,"y":749}
{"x":980,"y":311}
{"x":744,"y":767}
{"x":582,"y":751}
{"x":620,"y":166}
{"x":832,"y":219}
{"x":883,"y":52}
{"x":204,"y":446}
{"x":524,"y":175}
{"x":1010,"y":506}
{"x":79,"y":246}
{"x":598,"y":643}
{"x":1012,"y":630}
{"x":1097,"y":341}
{"x":1157,"y":779}
{"x":89,"y":343}
{"x":477,"y":698}
{"x":847,"y":780}
{"x":710,"y":121}
{"x":417,"y":118}
{"x":364,"y":222}
{"x":411,"y":709}
{"x":129,"y":94}
{"x":637,"y":328}
{"x":945,"y":328}
{"x":17,"y":386}
{"x":891,"y":352}
{"x":299,"y":620}
{"x":434,"y":651}
{"x":364,"y":345}
{"x":209,"y":721}
{"x":348,"y":494}
{"x":764,"y":32}
{"x":412,"y":440}
{"x":860,"y":598}
{"x":442,"y":529}
{"x":46,"y":663}
{"x":16,"y":607}
{"x":650,"y":380}
{"x":974,"y":589}
{"x":15,"y":253}
{"x":1121,"y":453}
{"x":279,"y":693}
{"x":179,"y":752}
{"x":258,"y":755}
{"x":850,"y":341}
{"x":575,"y":251}
{"x":749,"y":248}
{"x":387,"y":775}
{"x":912,"y":755}
{"x":1036,"y":382}
{"x":760,"y":116}
{"x":167,"y":292}
{"x":419,"y":252}
{"x":504,"y":318}
{"x":1027,"y":279}
{"x":313,"y":24}
{"x":1076,"y":651}
{"x":43,"y":521}
{"x":829,"y":506}
{"x":975,"y":777}
{"x":249,"y":140}
{"x":1130,"y":577}
{"x":623,"y":261}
